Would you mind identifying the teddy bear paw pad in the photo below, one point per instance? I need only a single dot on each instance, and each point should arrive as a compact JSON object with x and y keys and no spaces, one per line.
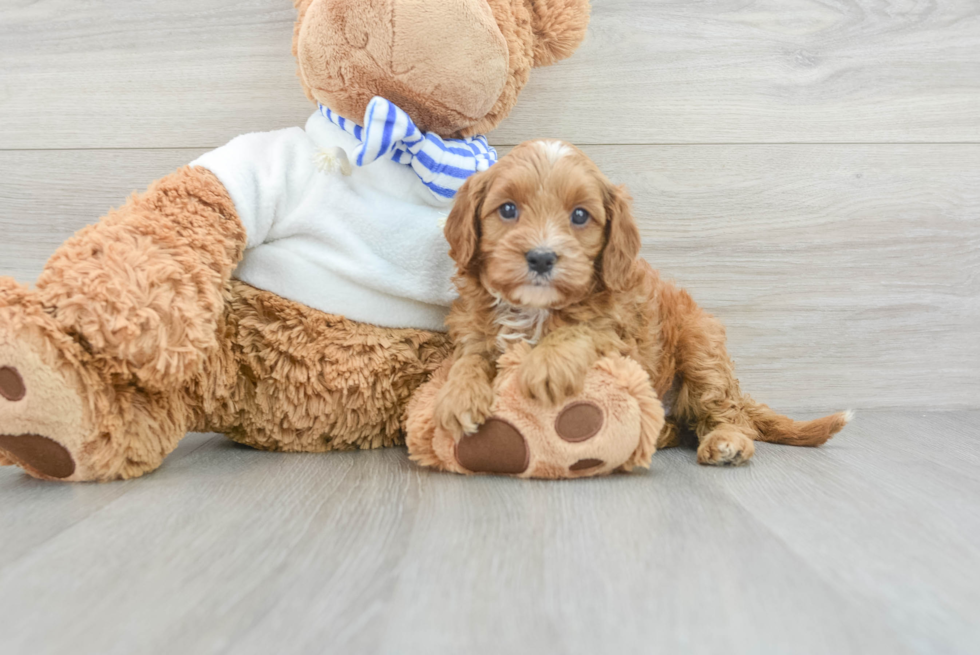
{"x":585,"y":465}
{"x":38,"y":453}
{"x":41,"y":411}
{"x":497,"y":447}
{"x":33,"y":452}
{"x":11,"y":384}
{"x":579,"y":421}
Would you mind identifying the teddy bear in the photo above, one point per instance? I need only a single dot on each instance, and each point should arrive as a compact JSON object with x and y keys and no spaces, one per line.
{"x":289,"y":288}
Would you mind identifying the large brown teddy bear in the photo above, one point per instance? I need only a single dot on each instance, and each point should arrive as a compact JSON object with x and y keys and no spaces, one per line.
{"x":209,"y":303}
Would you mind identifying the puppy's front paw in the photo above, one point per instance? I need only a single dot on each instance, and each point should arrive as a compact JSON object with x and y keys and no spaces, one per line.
{"x":463,"y":405}
{"x":548,"y":377}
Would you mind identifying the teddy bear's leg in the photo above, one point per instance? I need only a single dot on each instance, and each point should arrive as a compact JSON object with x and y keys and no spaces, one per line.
{"x":611,"y":425}
{"x":97,"y":363}
{"x":308,"y":381}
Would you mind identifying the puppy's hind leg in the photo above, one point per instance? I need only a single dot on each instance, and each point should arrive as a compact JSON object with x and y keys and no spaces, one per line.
{"x":710,"y":399}
{"x":726,"y":420}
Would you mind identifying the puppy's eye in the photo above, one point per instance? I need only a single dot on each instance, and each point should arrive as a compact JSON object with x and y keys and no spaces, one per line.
{"x":580,"y":217}
{"x":508,"y":211}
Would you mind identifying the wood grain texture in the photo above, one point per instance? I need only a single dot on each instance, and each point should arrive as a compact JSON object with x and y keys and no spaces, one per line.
{"x":46,"y":196}
{"x":848,"y":276}
{"x":866,"y":545}
{"x":139,"y":73}
{"x":25,"y":525}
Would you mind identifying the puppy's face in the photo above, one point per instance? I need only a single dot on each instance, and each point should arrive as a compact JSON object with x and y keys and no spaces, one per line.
{"x":543,"y":227}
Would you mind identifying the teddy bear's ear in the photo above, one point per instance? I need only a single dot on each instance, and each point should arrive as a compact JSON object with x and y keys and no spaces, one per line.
{"x":559,"y":27}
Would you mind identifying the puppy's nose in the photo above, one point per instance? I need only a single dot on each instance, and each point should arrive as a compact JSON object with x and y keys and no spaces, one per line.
{"x":541,"y":260}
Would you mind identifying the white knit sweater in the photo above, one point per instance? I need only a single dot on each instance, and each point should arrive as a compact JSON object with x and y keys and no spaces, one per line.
{"x":368,"y":246}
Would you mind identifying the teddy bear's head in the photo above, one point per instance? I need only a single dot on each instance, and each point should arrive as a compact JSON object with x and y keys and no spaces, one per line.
{"x":455,"y":66}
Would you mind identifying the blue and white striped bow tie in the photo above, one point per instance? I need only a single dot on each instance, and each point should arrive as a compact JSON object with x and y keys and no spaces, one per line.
{"x":442,"y":164}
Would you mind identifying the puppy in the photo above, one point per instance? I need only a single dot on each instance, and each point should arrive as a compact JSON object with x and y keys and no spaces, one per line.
{"x":546,"y":250}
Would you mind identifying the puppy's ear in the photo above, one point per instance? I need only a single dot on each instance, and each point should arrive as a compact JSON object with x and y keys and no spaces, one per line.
{"x":463,"y":225}
{"x":622,"y":238}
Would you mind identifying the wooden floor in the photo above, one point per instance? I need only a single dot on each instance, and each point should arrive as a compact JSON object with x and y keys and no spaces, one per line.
{"x":870,"y":544}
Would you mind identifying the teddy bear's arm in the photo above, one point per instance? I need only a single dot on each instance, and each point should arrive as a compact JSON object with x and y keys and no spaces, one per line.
{"x":267,"y":175}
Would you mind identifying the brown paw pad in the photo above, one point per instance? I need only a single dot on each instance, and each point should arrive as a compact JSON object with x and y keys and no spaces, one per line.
{"x":579,"y":421}
{"x":497,"y":447}
{"x":11,"y":384}
{"x":585,"y":465}
{"x":39,"y":454}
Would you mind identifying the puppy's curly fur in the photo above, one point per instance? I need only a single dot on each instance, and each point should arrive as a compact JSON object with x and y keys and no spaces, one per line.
{"x":597,"y":297}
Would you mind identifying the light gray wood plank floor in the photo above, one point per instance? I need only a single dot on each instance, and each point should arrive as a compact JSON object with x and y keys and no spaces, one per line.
{"x":870,"y":544}
{"x":149,"y":74}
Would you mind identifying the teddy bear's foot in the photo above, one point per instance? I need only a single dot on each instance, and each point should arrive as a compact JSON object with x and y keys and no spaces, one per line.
{"x":40,"y":456}
{"x":42,"y":416}
{"x":612,"y":425}
{"x":29,"y":416}
{"x":500,"y":447}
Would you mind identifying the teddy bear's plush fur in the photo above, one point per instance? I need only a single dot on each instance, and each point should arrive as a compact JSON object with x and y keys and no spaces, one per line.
{"x":137,"y":334}
{"x":477,"y":55}
{"x":137,"y":331}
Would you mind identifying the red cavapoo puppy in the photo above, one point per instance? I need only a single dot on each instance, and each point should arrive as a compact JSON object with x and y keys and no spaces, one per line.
{"x":547,"y":250}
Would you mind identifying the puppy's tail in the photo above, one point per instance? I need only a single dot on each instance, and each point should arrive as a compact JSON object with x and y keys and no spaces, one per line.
{"x":776,"y":428}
